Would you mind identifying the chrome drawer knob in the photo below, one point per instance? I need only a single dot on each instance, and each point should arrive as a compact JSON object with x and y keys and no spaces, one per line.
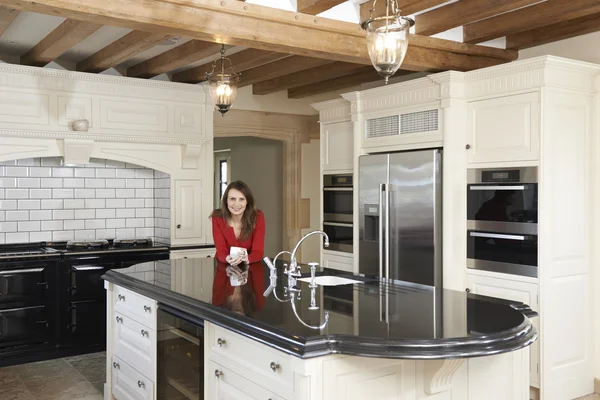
{"x":141,"y":384}
{"x":274,"y":366}
{"x":147,"y":309}
{"x":121,"y":297}
{"x":144,"y":333}
{"x":119,"y":319}
{"x":218,"y":373}
{"x":221,"y":342}
{"x":116,"y":365}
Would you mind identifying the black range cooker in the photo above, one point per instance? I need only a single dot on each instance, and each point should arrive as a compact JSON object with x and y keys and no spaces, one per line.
{"x":52,"y":297}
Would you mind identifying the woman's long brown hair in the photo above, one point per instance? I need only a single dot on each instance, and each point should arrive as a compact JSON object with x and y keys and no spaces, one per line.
{"x":250,"y":213}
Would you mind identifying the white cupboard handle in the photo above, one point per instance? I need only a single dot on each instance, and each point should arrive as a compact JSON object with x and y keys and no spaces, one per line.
{"x":221,"y":342}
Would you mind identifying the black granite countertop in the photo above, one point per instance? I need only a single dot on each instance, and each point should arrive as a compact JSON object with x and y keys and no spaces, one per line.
{"x":367,"y":319}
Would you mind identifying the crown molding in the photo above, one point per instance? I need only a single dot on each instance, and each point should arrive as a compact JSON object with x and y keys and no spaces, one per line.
{"x":104,"y":138}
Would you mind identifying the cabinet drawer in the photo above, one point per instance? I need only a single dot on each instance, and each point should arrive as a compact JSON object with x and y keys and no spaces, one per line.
{"x":135,"y":344}
{"x":270,"y":364}
{"x":224,"y":384}
{"x":136,"y":306}
{"x":129,"y":384}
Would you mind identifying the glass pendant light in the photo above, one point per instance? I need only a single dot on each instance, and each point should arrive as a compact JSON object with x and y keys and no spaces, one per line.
{"x":387,"y":38}
{"x":223,"y":86}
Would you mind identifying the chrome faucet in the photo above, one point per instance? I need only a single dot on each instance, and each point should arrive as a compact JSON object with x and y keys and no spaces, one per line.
{"x":294,"y":271}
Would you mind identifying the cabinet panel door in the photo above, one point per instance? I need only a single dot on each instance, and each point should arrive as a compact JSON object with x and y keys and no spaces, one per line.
{"x":188,"y":209}
{"x":224,"y":384}
{"x":518,"y":291}
{"x":129,"y":384}
{"x":504,"y":129}
{"x":338,"y":146}
{"x":135,"y":344}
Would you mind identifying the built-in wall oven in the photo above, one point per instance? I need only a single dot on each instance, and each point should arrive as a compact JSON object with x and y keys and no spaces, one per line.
{"x":502,"y":212}
{"x":338,"y":211}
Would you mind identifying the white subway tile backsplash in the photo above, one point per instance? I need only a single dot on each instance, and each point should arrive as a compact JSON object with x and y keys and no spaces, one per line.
{"x":129,"y":165}
{"x":40,"y":236}
{"x":40,"y":194}
{"x":17,"y":172}
{"x":134,"y":183}
{"x":115,"y":223}
{"x":144,"y":212}
{"x":144,"y":173}
{"x":125,"y":213}
{"x":21,"y":237}
{"x":95,"y":224}
{"x":8,"y":204}
{"x":135,"y":203}
{"x":66,"y":172}
{"x":9,"y":162}
{"x":40,"y":172}
{"x":28,"y":204}
{"x":74,"y":203}
{"x":28,"y":183}
{"x":144,"y":193}
{"x":148,"y":222}
{"x":115,"y":183}
{"x":85,"y":214}
{"x":149,"y":203}
{"x":85,"y":234}
{"x":105,"y":233}
{"x":52,"y":225}
{"x":125,"y":193}
{"x":74,"y":224}
{"x":62,"y":193}
{"x":105,"y":173}
{"x":105,"y":213}
{"x":95,"y":203}
{"x":8,"y":226}
{"x":144,"y":232}
{"x":17,"y":215}
{"x":63,"y":214}
{"x":59,"y":236}
{"x":51,"y":162}
{"x":114,"y":164}
{"x":95,"y":183}
{"x":85,"y":193}
{"x":115,"y":203}
{"x":149,"y":183}
{"x":73,"y":183}
{"x":134,"y":223}
{"x":29,"y":162}
{"x":16,"y":194}
{"x":51,"y":182}
{"x":54,"y":204}
{"x":85,"y":173}
{"x":125,"y":173}
{"x":1,"y":194}
{"x":40,"y":215}
{"x":105,"y":193}
{"x":28,"y":226}
{"x":8,"y":182}
{"x":96,"y":163}
{"x":125,"y":233}
{"x":2,"y":217}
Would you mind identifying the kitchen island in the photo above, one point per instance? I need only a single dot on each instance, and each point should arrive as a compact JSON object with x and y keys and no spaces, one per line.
{"x":168,"y":320}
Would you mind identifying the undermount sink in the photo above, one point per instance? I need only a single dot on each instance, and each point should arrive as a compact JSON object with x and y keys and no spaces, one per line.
{"x":330,"y":280}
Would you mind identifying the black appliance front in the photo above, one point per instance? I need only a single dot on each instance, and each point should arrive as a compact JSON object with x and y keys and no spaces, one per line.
{"x":180,"y":351}
{"x":337,"y":198}
{"x":340,"y":236}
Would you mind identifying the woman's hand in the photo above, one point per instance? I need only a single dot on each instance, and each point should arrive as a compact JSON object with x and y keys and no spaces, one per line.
{"x":236,"y":272}
{"x":234,"y":260}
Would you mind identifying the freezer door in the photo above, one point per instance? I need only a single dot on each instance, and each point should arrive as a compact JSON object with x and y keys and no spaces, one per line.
{"x":415,"y":217}
{"x":373,"y":177}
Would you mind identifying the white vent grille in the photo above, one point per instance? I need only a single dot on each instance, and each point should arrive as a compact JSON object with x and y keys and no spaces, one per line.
{"x":384,"y":126}
{"x":420,"y":121}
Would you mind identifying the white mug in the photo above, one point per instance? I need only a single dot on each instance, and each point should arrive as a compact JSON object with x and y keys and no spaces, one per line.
{"x":235,"y":252}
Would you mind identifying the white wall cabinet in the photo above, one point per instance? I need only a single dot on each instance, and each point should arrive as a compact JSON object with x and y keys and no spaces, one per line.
{"x":337,"y":147}
{"x":189,"y":219}
{"x":504,"y":129}
{"x":503,"y":287}
{"x":338,"y":260}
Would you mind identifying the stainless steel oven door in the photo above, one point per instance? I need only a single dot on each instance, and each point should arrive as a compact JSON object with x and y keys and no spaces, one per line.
{"x":513,"y":254}
{"x":340,"y":236}
{"x":337,"y":204}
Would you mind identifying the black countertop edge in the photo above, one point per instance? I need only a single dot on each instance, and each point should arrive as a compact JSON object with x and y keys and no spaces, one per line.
{"x":197,"y":311}
{"x":192,"y":247}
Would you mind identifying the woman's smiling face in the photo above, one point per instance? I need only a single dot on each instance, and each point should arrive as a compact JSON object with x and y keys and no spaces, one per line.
{"x":236,"y":202}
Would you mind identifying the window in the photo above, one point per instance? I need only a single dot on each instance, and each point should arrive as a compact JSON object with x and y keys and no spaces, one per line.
{"x":222,"y":177}
{"x":222,"y":174}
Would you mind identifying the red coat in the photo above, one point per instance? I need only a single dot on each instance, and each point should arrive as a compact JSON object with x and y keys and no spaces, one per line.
{"x":224,"y":238}
{"x":222,"y":285}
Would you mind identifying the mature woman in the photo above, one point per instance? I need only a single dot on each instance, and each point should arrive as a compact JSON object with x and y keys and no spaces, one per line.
{"x":237,"y":223}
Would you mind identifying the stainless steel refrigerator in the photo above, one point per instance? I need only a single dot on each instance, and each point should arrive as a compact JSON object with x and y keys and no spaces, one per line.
{"x":400,"y":211}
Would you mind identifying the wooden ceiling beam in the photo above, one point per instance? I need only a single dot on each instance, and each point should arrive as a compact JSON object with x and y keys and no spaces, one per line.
{"x":61,"y":39}
{"x":554,"y":32}
{"x":276,"y":69}
{"x":119,"y":51}
{"x":407,"y":7}
{"x":315,"y":7}
{"x":242,"y":61}
{"x":365,"y":75}
{"x":7,"y":16}
{"x":464,"y":12}
{"x":180,"y":56}
{"x":307,"y":77}
{"x":241,"y":24}
{"x":528,"y":18}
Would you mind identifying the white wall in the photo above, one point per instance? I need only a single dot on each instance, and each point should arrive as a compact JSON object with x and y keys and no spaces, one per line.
{"x":582,"y":48}
{"x":311,"y":189}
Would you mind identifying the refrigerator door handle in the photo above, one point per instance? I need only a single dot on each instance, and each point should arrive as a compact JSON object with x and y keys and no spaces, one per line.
{"x":387,"y":231}
{"x":381,"y":192}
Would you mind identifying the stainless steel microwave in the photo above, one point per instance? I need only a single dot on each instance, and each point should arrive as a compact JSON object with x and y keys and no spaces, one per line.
{"x":337,"y":198}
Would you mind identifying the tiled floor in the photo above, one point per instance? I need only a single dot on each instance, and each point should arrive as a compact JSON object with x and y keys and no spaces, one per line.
{"x":71,"y":378}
